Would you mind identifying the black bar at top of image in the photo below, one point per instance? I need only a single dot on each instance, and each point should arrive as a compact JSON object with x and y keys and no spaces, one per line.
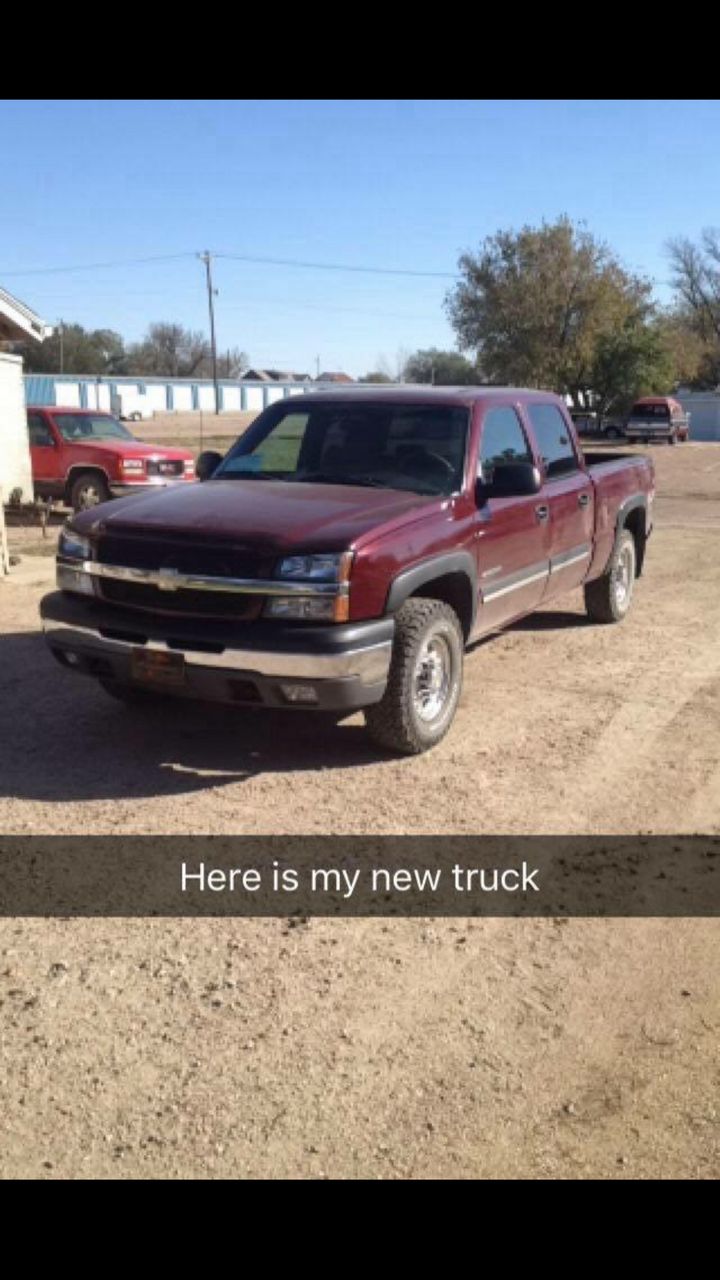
{"x":353,"y":876}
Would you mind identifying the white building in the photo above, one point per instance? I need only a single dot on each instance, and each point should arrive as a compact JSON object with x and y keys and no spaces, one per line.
{"x":17,"y":324}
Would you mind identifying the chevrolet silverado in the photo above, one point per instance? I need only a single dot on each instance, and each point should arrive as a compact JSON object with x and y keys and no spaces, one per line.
{"x":346,"y":551}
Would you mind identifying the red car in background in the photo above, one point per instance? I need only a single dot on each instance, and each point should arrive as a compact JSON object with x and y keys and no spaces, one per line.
{"x":84,"y":457}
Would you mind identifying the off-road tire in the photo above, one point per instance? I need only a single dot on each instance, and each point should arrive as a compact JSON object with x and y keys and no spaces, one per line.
{"x":83,"y":485}
{"x":605,"y":600}
{"x":395,"y":722}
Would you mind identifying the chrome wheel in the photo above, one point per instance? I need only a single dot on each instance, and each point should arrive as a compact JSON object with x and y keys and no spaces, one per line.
{"x":432,"y":679}
{"x":623,"y":576}
{"x":88,"y":496}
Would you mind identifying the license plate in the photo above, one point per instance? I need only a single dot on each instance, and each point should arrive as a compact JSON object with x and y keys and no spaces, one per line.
{"x":154,"y":666}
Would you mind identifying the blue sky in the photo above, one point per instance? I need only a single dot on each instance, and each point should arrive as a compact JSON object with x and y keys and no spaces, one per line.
{"x":406,"y":185}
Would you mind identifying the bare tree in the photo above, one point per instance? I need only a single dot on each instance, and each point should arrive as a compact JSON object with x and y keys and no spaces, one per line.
{"x":696,"y":278}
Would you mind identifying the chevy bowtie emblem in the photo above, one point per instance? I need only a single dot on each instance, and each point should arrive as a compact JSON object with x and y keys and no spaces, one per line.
{"x":167,"y":579}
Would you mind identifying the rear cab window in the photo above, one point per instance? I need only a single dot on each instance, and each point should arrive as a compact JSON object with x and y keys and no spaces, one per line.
{"x":657,"y":411}
{"x":554,"y":440}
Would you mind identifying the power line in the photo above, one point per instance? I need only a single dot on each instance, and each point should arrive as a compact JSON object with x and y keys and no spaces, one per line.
{"x":338,"y":266}
{"x":98,"y":266}
{"x":237,"y":257}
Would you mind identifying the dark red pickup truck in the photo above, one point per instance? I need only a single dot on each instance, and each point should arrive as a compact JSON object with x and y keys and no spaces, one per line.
{"x":345,"y":552}
{"x":84,"y":457}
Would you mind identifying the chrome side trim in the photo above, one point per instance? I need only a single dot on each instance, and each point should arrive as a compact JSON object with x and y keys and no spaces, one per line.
{"x":174,"y":580}
{"x":514,"y":581}
{"x":573,"y":556}
{"x":370,"y":665}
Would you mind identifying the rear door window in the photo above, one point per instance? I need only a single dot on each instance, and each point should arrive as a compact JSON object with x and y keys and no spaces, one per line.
{"x":553,"y":438}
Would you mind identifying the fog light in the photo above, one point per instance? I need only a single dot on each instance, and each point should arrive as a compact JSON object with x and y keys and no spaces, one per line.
{"x":299,"y":693}
{"x":72,"y":659}
{"x":74,"y":580}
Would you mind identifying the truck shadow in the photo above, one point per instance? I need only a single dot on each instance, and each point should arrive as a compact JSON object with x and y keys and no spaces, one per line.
{"x":64,"y":739}
{"x":551,"y":620}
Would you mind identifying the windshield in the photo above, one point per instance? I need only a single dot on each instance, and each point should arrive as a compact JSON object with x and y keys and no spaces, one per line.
{"x":76,"y":427}
{"x":420,"y":448}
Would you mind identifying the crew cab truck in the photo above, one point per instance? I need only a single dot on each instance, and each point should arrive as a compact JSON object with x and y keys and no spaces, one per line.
{"x":657,"y":418}
{"x":346,"y":551}
{"x":83,"y":457}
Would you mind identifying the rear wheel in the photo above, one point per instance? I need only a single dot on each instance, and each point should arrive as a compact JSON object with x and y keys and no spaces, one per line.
{"x":88,"y":490}
{"x":425,"y":679}
{"x":607,"y":599}
{"x":612,"y":433}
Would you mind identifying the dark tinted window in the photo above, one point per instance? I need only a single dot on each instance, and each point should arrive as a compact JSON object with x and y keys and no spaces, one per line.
{"x":553,"y":438}
{"x":419,"y":448}
{"x":503,"y":441}
{"x":39,"y":430}
{"x":650,"y":411}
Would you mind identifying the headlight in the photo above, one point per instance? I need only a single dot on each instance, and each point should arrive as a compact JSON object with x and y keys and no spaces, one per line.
{"x":134,"y":465}
{"x":333,"y":567}
{"x":310,"y":608}
{"x":72,"y":546}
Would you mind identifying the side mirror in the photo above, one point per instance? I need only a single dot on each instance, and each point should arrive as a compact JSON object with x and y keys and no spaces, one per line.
{"x":510,"y":480}
{"x":207,"y":463}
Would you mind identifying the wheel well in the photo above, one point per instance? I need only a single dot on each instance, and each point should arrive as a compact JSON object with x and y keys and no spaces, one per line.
{"x":635,"y":524}
{"x":75,"y":473}
{"x":453,"y":589}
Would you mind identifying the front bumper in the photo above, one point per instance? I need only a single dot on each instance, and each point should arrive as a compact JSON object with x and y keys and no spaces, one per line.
{"x":123,"y":488}
{"x":344,"y":666}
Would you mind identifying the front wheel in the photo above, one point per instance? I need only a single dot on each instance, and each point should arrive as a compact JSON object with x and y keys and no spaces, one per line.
{"x":88,"y":490}
{"x":612,"y":433}
{"x":607,"y":599}
{"x":425,"y":679}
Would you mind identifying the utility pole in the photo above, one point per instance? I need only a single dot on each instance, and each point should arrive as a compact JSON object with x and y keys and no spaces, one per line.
{"x":62,"y":347}
{"x":317,"y":368}
{"x":206,"y":257}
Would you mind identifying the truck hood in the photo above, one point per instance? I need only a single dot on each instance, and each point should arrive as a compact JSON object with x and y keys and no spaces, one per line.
{"x":131,"y":448}
{"x":267,"y":514}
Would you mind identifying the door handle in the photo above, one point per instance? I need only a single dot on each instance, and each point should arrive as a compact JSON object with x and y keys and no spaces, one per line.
{"x":543,"y":511}
{"x":584,"y":500}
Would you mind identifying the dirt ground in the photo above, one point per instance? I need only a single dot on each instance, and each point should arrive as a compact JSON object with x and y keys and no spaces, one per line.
{"x":380,"y":1049}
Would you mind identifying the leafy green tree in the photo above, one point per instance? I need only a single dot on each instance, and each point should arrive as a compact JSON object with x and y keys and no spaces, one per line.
{"x":631,"y":361}
{"x":539,"y":308}
{"x":378,"y":375}
{"x":441,"y":368}
{"x":73,"y":349}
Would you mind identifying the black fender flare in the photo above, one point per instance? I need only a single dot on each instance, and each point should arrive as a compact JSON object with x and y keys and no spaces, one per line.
{"x":638,"y":501}
{"x":409,"y":581}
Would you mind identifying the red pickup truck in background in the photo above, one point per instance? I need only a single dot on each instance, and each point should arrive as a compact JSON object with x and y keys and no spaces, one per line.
{"x":84,"y":457}
{"x":345,"y":552}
